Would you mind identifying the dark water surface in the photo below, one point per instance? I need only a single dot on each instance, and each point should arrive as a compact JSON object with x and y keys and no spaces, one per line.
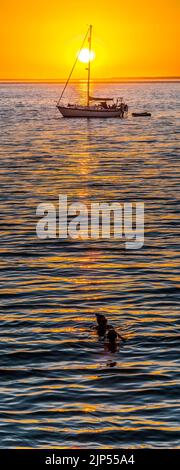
{"x":58,"y":386}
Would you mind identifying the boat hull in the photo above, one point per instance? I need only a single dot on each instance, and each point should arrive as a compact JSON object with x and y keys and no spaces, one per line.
{"x":89,"y":112}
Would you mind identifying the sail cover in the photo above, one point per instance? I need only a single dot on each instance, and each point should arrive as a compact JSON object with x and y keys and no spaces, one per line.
{"x":91,"y":98}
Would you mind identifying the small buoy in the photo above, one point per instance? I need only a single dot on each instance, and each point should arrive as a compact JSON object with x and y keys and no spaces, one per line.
{"x":141,"y":114}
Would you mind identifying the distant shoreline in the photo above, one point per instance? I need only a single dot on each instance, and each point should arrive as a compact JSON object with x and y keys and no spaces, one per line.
{"x":103,"y":81}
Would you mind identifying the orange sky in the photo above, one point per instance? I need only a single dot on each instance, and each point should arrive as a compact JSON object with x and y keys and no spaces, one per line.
{"x":135,"y":38}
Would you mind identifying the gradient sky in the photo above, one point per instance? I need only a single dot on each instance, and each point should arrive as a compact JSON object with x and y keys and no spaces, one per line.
{"x":135,"y":38}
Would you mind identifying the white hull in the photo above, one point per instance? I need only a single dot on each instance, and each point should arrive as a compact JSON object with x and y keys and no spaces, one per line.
{"x":89,"y":112}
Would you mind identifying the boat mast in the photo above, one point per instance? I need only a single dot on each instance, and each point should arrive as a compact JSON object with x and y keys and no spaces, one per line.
{"x":89,"y":64}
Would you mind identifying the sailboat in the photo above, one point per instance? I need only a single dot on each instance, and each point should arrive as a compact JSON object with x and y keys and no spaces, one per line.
{"x":102,"y":107}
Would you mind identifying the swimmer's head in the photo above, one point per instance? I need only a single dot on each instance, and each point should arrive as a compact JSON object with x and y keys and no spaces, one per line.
{"x":101,"y":319}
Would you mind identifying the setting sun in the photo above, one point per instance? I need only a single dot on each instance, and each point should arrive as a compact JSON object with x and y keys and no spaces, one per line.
{"x":85,"y":56}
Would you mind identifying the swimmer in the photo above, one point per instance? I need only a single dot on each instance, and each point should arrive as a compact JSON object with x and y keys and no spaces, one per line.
{"x":102,"y":324}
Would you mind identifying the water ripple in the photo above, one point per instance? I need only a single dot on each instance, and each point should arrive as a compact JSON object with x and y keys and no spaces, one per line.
{"x":59,"y":387}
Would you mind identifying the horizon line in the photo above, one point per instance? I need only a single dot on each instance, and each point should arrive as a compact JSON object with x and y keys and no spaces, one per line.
{"x":76,"y":80}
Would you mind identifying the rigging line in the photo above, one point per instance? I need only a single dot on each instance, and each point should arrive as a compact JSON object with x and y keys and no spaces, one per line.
{"x":72,"y":68}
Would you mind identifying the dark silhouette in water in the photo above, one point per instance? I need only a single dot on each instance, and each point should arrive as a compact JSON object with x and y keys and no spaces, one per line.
{"x":102,"y":324}
{"x":100,"y":318}
{"x":108,"y":332}
{"x":112,"y":343}
{"x":112,"y":335}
